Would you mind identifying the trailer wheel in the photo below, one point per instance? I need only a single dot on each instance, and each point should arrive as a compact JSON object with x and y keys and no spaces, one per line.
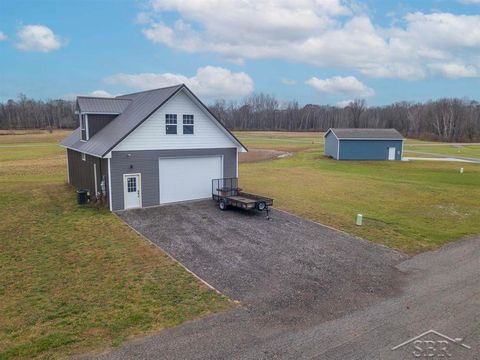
{"x":261,"y":205}
{"x":222,"y":204}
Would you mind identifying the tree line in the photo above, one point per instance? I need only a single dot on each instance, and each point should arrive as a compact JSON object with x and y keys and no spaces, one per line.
{"x":444,"y":119}
{"x":25,"y":113}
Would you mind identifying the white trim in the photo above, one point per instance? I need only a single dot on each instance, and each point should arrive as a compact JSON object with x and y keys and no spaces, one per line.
{"x":109,"y":185}
{"x":139,"y":187}
{"x":401,"y":154}
{"x":87,"y":132}
{"x":84,"y":128}
{"x":330,"y":130}
{"x":338,"y":147}
{"x":381,"y":139}
{"x":95,"y":177}
{"x":80,"y":118}
{"x":84,"y":156}
{"x":171,"y":124}
{"x":236,"y":160}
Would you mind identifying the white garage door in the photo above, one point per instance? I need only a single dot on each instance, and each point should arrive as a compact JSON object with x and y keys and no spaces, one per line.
{"x":188,"y":178}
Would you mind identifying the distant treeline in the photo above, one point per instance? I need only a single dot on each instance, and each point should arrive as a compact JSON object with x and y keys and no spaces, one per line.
{"x":25,"y":113}
{"x":444,"y":119}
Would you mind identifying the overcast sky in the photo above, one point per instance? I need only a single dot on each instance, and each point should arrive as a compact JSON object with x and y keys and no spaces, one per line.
{"x":314,"y":51}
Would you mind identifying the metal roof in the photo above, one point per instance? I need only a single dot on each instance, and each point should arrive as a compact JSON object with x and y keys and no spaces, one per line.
{"x":88,"y":104}
{"x":142,"y":105}
{"x":366,"y":134}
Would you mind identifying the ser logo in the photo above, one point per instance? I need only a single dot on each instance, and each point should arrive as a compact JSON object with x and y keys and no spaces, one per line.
{"x":432,"y":344}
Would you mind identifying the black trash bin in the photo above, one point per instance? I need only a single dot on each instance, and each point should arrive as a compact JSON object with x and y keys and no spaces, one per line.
{"x":82,"y":197}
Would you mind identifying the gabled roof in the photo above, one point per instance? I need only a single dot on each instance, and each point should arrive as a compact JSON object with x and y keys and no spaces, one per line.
{"x":141,"y":106}
{"x":365,"y":134}
{"x":89,"y":104}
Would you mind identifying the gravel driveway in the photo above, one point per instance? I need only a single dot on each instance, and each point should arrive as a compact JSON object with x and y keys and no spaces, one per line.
{"x":287,"y":270}
{"x":305,"y":291}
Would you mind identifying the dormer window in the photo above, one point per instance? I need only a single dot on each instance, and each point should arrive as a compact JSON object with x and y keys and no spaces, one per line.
{"x":188,"y":124}
{"x":171,"y":124}
{"x":84,"y":126}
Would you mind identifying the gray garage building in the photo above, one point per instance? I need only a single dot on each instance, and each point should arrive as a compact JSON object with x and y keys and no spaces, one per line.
{"x":364,"y":144}
{"x":149,"y":148}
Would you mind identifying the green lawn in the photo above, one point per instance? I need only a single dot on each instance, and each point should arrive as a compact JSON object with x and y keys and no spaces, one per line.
{"x":469,"y":151}
{"x":284,"y":141}
{"x":77,"y":279}
{"x":410,"y":206}
{"x":73,"y":279}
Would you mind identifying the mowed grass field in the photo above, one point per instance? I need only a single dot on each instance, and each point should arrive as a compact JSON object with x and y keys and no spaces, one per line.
{"x":411,"y":206}
{"x":75,"y":280}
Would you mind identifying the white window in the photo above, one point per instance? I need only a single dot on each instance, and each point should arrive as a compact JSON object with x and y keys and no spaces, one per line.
{"x":82,"y":122}
{"x":170,"y":124}
{"x":84,"y":126}
{"x":188,"y":124}
{"x":84,"y":157}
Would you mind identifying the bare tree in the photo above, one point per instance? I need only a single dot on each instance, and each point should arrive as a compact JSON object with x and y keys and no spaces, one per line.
{"x":356,"y":108}
{"x":444,"y":119}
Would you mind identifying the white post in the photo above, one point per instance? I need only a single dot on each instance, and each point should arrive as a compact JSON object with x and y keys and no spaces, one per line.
{"x":359,"y":219}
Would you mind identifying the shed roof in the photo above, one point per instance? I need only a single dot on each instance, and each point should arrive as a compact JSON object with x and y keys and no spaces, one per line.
{"x":89,"y":104}
{"x":140,"y":106}
{"x":366,"y":134}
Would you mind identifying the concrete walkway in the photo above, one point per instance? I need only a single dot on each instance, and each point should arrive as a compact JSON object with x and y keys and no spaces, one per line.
{"x":410,"y":158}
{"x":442,"y":156}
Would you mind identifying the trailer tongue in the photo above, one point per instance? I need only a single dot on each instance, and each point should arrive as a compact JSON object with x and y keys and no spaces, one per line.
{"x":226,"y":193}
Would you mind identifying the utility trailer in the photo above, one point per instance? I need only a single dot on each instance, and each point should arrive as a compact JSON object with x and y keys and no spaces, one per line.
{"x":226,"y":193}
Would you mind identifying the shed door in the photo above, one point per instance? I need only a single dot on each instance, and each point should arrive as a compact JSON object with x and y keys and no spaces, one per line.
{"x":188,"y":178}
{"x":391,"y":153}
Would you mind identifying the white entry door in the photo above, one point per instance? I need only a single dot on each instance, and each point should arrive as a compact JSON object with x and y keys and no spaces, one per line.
{"x":391,"y":153}
{"x":188,"y":178}
{"x":132,"y":191}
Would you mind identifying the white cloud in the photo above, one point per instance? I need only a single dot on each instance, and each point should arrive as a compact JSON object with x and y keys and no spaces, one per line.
{"x":209,"y":81}
{"x":37,"y":38}
{"x":322,"y":33}
{"x":95,"y":93}
{"x":100,"y":93}
{"x":453,"y":70}
{"x":289,"y":82}
{"x":348,"y":85}
{"x":343,"y":104}
{"x":2,"y":36}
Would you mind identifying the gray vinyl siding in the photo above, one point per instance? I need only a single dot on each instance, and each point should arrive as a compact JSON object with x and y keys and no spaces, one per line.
{"x":81,"y":174}
{"x":96,"y":122}
{"x":145,"y":162}
{"x":369,"y":149}
{"x":331,"y":145}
